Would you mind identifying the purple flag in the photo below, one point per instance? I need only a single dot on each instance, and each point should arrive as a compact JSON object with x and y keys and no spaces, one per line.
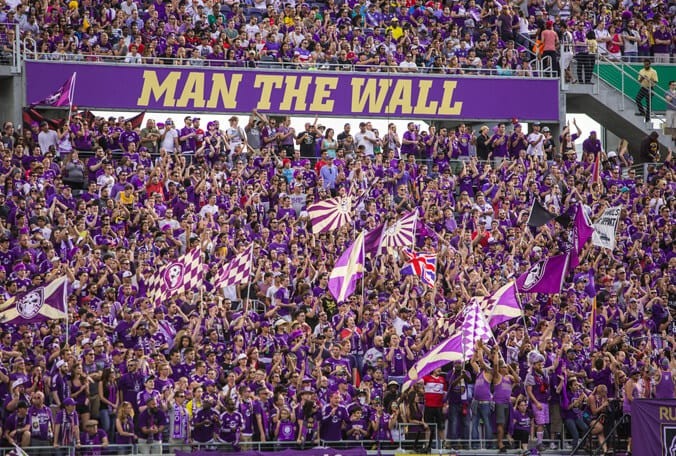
{"x":582,"y":232}
{"x":653,"y":428}
{"x":348,"y":270}
{"x":545,"y":276}
{"x":372,"y":240}
{"x":62,"y":97}
{"x":175,"y":278}
{"x":501,"y":306}
{"x":38,"y":305}
{"x":446,"y":352}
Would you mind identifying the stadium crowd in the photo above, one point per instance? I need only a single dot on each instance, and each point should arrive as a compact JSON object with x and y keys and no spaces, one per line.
{"x":279,"y":360}
{"x":441,"y":37}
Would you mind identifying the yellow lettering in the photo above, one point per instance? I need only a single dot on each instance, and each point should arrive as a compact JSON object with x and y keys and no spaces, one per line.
{"x":667,"y":414}
{"x":295,"y":92}
{"x":220,"y":90}
{"x":163,"y":92}
{"x":267,"y":82}
{"x":401,"y":96}
{"x":369,"y":93}
{"x":448,"y":107}
{"x":323,"y":87}
{"x":422,"y":107}
{"x":192,"y":90}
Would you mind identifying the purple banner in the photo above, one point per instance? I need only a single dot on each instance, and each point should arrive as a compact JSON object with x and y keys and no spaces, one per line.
{"x":653,"y":427}
{"x":312,"y":452}
{"x":155,"y":88}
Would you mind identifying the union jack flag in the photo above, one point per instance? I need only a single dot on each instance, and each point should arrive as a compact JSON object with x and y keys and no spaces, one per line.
{"x":424,"y":265}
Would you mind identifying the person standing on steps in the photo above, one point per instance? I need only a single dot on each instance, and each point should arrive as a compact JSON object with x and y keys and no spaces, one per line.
{"x":671,"y":111}
{"x":648,"y":79}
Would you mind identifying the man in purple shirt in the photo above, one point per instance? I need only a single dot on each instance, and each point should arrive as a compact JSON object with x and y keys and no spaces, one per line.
{"x":187,"y":137}
{"x":129,"y":136}
{"x":591,"y":145}
{"x":41,"y":422}
{"x":334,"y":418}
{"x":151,"y":424}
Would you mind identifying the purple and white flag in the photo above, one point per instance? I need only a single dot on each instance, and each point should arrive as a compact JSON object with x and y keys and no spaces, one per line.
{"x":237,"y":271}
{"x":41,"y":304}
{"x":501,"y":306}
{"x":62,"y":97}
{"x":330,"y":214}
{"x":348,"y":270}
{"x":582,"y":231}
{"x":177,"y":277}
{"x":545,"y":276}
{"x":400,"y":234}
{"x":474,"y":328}
{"x":448,"y":351}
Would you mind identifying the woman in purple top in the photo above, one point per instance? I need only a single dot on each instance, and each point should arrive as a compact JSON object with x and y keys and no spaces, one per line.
{"x":124,"y":425}
{"x":503,"y":381}
{"x":521,"y":423}
{"x":482,"y":404}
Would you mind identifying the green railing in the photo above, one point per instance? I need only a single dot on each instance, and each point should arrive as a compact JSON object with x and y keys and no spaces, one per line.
{"x":624,"y":77}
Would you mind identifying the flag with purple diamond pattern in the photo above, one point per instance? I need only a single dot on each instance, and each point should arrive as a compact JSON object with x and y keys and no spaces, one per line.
{"x":177,"y":277}
{"x":238,"y":270}
{"x":474,"y":328}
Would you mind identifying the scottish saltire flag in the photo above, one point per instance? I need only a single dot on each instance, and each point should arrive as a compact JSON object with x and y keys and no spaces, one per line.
{"x":539,"y":215}
{"x":582,"y":231}
{"x":175,"y":278}
{"x":238,"y":270}
{"x":448,"y":351}
{"x":474,"y":328}
{"x":330,"y":214}
{"x":424,"y":265}
{"x":501,"y":306}
{"x":62,"y":97}
{"x":41,"y":304}
{"x":348,"y":270}
{"x":400,"y":234}
{"x":545,"y":276}
{"x":372,"y":240}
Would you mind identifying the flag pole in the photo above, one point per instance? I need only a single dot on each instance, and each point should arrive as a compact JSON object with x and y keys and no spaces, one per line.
{"x":248,"y":287}
{"x":71,"y":94}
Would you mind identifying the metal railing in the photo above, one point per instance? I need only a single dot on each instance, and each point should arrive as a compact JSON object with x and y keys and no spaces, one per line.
{"x":542,"y":68}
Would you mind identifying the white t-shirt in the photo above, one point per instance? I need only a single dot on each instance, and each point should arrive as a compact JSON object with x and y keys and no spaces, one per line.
{"x":537,"y":150}
{"x":360,"y":140}
{"x":168,"y":142}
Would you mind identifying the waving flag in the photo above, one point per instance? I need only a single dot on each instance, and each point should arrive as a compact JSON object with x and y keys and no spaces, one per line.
{"x":596,"y":171}
{"x":539,"y":215}
{"x":41,"y":304}
{"x":62,"y":97}
{"x":348,"y":270}
{"x":581,"y":233}
{"x":604,"y":228}
{"x":545,"y":276}
{"x":400,"y":234}
{"x":446,"y":352}
{"x":501,"y":306}
{"x":474,"y":328}
{"x":330,"y":214}
{"x":423,"y":265}
{"x":372,"y":240}
{"x":237,"y":271}
{"x":175,"y":278}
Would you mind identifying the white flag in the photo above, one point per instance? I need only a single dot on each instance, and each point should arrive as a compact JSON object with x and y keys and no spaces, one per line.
{"x":604,"y":228}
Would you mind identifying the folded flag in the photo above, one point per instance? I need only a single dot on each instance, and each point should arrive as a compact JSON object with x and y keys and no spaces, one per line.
{"x":545,"y":276}
{"x":582,"y":231}
{"x":49,"y":302}
{"x":539,"y":215}
{"x":175,"y":278}
{"x":424,"y":265}
{"x":62,"y":97}
{"x":238,"y":271}
{"x":348,"y":270}
{"x":330,"y":214}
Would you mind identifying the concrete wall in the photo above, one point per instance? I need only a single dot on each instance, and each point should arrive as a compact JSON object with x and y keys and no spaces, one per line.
{"x":11,"y":98}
